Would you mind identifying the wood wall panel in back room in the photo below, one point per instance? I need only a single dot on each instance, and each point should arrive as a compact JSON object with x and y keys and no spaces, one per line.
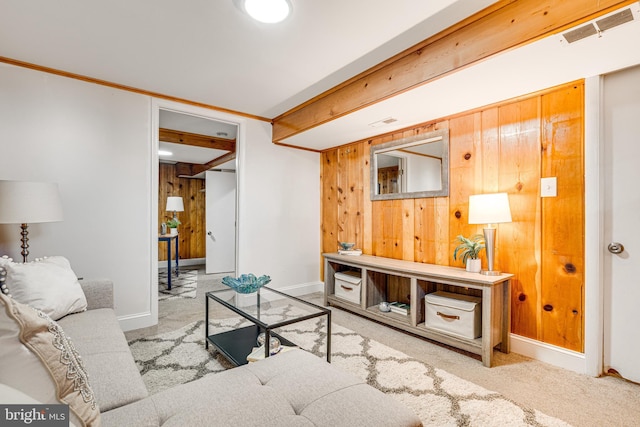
{"x":192,"y":228}
{"x":505,"y":147}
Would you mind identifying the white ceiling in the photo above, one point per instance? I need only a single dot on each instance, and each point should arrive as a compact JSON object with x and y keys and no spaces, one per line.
{"x":540,"y":65}
{"x":208,"y":51}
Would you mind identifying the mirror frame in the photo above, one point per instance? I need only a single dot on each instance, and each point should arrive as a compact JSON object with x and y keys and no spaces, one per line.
{"x":411,"y":140}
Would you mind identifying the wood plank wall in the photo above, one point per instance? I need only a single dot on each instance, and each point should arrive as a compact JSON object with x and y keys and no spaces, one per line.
{"x":192,"y":230}
{"x":505,"y":147}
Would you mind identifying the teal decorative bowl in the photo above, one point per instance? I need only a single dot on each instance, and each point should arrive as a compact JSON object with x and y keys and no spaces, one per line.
{"x":345,"y":246}
{"x":246,"y":283}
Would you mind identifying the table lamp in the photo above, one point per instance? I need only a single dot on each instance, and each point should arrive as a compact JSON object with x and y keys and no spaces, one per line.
{"x":489,"y":209}
{"x":175,"y":204}
{"x":24,"y":202}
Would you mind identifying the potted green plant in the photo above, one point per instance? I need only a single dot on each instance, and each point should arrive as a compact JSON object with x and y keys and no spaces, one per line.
{"x":173,"y":224}
{"x":468,"y":250}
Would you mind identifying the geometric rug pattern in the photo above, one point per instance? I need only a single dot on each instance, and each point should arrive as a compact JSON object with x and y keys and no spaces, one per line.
{"x":436,"y":396}
{"x":182,"y":286}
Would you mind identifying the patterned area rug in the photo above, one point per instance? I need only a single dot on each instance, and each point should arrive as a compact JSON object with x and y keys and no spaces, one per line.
{"x":184,"y":285}
{"x":438,"y":397}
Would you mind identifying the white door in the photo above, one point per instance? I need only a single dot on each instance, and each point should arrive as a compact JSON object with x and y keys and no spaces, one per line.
{"x":221,"y":222}
{"x":622,"y":223}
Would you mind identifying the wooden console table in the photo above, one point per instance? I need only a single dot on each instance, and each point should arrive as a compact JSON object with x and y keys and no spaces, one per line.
{"x":385,"y":279}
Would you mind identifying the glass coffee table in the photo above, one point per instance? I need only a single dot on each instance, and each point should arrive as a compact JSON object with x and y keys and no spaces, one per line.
{"x":265,"y":310}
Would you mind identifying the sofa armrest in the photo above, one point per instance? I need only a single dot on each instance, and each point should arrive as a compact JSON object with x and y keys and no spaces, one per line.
{"x":99,"y":293}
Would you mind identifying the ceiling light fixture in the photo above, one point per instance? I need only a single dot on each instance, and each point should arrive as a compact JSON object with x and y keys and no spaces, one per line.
{"x":267,"y":11}
{"x":164,"y":153}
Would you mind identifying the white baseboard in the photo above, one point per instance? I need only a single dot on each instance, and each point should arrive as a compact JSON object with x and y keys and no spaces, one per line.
{"x":162,"y":265}
{"x":551,"y":354}
{"x":302,"y":289}
{"x":136,"y":321}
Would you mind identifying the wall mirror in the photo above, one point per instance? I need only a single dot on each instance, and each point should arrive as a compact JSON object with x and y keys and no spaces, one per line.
{"x":413,"y":167}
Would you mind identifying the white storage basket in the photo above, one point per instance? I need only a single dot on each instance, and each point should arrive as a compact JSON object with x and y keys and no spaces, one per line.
{"x":455,"y":314}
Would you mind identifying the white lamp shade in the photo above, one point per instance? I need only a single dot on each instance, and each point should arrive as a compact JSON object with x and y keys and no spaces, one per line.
{"x":24,"y":202}
{"x":489,"y":208}
{"x":175,"y":204}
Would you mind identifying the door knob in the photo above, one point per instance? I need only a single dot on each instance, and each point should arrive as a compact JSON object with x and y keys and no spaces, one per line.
{"x":615,"y":247}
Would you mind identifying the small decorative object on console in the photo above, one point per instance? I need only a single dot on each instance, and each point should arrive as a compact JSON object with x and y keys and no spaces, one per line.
{"x":399,"y":307}
{"x":384,"y":307}
{"x":347,"y":249}
{"x":346,"y":246}
{"x":246,"y":283}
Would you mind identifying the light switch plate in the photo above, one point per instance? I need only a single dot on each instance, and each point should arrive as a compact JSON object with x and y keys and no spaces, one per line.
{"x":549,"y":187}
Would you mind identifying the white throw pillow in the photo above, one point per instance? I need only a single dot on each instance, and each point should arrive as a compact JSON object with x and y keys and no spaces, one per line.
{"x":38,"y":359}
{"x":48,"y":284}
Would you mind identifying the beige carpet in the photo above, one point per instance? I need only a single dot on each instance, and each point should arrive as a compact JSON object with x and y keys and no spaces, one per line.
{"x":184,"y":285}
{"x":436,"y":396}
{"x":580,"y":400}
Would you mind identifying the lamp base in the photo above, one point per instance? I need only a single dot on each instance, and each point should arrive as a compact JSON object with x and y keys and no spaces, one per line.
{"x":24,"y":240}
{"x":490,"y":272}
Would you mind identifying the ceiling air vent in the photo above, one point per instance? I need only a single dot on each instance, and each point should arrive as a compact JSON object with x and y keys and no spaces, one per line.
{"x":615,"y":20}
{"x":383,"y":122}
{"x":599,"y":26}
{"x":580,"y":33}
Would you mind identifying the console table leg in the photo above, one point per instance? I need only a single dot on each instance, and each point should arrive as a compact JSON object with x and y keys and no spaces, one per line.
{"x":505,"y":345}
{"x":487,"y":325}
{"x":329,"y":337}
{"x":169,"y":264}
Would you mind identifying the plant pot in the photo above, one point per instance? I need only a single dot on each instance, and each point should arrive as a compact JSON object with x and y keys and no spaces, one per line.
{"x":174,"y":231}
{"x":474,"y":265}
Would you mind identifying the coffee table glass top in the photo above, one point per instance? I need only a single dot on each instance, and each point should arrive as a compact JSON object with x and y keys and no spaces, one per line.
{"x":266,"y":312}
{"x":260,"y":306}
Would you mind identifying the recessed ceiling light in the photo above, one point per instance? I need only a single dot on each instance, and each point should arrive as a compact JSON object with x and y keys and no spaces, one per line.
{"x":164,"y":153}
{"x":267,"y":11}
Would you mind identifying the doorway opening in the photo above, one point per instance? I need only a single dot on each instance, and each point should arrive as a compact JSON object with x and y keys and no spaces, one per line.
{"x":197,"y":166}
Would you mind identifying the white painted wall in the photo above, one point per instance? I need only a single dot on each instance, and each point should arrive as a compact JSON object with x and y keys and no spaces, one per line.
{"x":423,"y":173}
{"x":94,"y":142}
{"x":279,"y":207}
{"x":99,"y":145}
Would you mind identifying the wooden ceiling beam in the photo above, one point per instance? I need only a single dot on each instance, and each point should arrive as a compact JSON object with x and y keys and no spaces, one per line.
{"x":505,"y":25}
{"x":192,"y":169}
{"x":205,"y":141}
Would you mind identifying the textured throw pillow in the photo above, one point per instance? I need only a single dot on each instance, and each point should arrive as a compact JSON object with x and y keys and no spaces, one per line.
{"x":47,"y":284}
{"x":38,"y":359}
{"x":4,"y":260}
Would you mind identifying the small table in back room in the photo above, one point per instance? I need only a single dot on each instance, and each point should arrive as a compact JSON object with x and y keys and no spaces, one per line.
{"x":168,"y":238}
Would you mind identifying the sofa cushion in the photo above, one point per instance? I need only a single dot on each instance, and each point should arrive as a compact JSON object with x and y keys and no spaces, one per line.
{"x":39,"y":360}
{"x":294,"y":388}
{"x":114,"y":375}
{"x":48,"y":284}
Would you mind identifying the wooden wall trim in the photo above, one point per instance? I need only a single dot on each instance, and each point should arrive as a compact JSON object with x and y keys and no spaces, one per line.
{"x":126,"y":88}
{"x":505,"y":25}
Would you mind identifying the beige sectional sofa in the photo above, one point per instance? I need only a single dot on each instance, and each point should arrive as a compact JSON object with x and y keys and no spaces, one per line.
{"x":295,"y":388}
